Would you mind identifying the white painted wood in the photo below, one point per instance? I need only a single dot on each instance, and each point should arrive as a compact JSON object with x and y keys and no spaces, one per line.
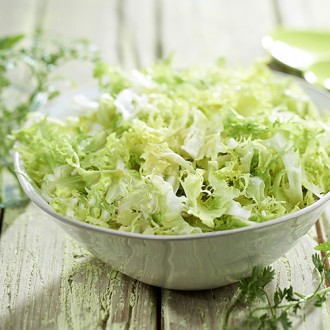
{"x":137,"y":32}
{"x":27,"y":285}
{"x":17,"y":16}
{"x":305,"y":13}
{"x":47,"y":281}
{"x":92,"y":20}
{"x":202,"y":31}
{"x":123,"y":31}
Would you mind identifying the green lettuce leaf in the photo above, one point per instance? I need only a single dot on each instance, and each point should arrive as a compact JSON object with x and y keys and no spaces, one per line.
{"x":172,"y":151}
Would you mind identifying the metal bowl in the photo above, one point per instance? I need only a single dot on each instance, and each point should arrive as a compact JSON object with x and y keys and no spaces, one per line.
{"x":190,"y":262}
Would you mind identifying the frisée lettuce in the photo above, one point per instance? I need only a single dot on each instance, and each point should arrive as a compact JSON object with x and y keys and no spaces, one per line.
{"x":170,"y":151}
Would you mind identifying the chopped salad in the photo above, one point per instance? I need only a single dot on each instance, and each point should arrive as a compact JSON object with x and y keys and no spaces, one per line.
{"x":169,"y":151}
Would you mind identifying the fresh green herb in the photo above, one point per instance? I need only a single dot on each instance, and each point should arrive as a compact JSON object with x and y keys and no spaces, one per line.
{"x":283,"y":303}
{"x":28,"y":80}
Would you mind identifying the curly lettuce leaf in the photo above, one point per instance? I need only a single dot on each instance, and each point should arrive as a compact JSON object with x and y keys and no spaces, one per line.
{"x":172,"y":151}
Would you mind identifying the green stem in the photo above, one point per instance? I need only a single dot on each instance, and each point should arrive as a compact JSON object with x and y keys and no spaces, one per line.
{"x":287,"y":306}
{"x":300,"y":295}
{"x":229,"y":311}
{"x":269,"y":304}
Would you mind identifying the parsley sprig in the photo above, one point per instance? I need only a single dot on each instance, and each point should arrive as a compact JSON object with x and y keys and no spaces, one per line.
{"x":279,"y":308}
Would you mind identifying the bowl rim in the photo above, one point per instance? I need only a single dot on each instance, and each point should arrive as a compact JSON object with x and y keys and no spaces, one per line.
{"x":37,"y":199}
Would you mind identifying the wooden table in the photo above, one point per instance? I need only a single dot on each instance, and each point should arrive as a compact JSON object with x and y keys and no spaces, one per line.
{"x":47,"y":281}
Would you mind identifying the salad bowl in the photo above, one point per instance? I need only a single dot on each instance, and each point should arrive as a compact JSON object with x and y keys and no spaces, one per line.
{"x":190,"y":261}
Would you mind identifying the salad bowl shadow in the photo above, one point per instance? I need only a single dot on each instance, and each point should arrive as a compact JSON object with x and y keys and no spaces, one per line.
{"x":189,"y":262}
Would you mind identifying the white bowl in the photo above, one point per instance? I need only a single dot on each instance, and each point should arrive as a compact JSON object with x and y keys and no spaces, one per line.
{"x":189,"y":262}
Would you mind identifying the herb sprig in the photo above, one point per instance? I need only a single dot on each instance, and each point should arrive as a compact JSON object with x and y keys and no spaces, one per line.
{"x":283,"y":303}
{"x":28,"y":79}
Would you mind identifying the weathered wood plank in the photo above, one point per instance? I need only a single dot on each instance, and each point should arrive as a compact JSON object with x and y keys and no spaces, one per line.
{"x":123,"y":30}
{"x":27,"y":286}
{"x":137,"y":32}
{"x":18,"y":16}
{"x":95,"y":21}
{"x":48,"y":281}
{"x":114,"y":301}
{"x":201,"y":31}
{"x":305,"y":13}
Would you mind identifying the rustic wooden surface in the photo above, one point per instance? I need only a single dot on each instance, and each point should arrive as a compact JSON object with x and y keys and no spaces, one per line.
{"x":47,"y":281}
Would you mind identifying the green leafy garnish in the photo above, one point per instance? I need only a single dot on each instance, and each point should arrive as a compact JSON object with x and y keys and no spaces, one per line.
{"x":283,"y":304}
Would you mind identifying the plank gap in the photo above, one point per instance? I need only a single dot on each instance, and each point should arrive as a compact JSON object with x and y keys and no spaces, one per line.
{"x":159,"y":51}
{"x":120,"y":18}
{"x":40,"y":15}
{"x":2,"y":215}
{"x":277,"y":12}
{"x":159,"y":318}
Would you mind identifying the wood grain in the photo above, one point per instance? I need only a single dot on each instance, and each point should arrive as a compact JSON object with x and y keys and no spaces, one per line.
{"x":305,"y":14}
{"x":18,"y":16}
{"x":137,"y":32}
{"x":202,"y":31}
{"x":96,"y":21}
{"x":48,"y":281}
